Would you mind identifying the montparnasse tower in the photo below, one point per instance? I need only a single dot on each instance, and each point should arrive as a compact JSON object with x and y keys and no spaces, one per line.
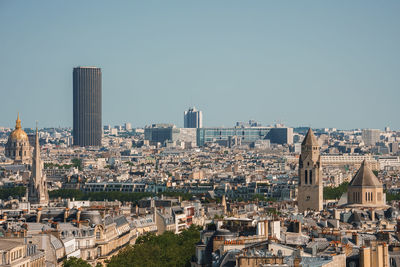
{"x":17,"y":147}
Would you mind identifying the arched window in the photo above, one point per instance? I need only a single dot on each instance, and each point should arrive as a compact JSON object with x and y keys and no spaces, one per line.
{"x":310,"y":176}
{"x":305,"y":176}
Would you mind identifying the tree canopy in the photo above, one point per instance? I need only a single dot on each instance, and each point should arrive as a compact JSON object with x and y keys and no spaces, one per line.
{"x":168,"y":250}
{"x":335,"y":192}
{"x":14,"y":192}
{"x":75,"y":262}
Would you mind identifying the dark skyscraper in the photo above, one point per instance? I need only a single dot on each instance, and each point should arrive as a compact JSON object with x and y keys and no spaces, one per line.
{"x":193,"y":118}
{"x":87,"y":106}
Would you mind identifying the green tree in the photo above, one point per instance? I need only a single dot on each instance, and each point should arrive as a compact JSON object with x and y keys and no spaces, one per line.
{"x":75,"y":262}
{"x":392,"y":196}
{"x":14,"y":192}
{"x":77,"y":163}
{"x":168,"y":250}
{"x":335,"y":192}
{"x":67,"y":193}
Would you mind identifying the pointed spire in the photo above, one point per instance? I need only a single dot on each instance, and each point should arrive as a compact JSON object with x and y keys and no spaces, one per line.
{"x":310,"y":139}
{"x":18,"y":123}
{"x":37,"y":184}
{"x":37,"y":137}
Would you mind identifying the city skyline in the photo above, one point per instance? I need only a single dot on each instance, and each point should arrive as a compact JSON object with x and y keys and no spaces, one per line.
{"x":266,"y":61}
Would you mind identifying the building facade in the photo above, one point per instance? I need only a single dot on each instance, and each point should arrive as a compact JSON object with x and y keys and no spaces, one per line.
{"x":161,"y":133}
{"x":370,"y":136}
{"x":281,"y":136}
{"x":193,"y":118}
{"x":246,"y":135}
{"x":310,"y":196}
{"x":87,"y":106}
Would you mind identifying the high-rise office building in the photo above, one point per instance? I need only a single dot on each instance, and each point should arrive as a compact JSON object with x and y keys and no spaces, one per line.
{"x":370,"y":136}
{"x":281,"y":136}
{"x":87,"y":130}
{"x":128,"y":126}
{"x":193,"y":118}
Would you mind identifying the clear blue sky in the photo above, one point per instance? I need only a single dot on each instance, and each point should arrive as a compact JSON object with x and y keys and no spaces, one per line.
{"x":311,"y":63}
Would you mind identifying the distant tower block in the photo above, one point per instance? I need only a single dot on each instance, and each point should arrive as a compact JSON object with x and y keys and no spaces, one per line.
{"x":87,"y":130}
{"x":193,"y":118}
{"x":310,"y":190}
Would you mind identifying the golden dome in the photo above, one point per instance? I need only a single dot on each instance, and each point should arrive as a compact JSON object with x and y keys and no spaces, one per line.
{"x":18,"y":134}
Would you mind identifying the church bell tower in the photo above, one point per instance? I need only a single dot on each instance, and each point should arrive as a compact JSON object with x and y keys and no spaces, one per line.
{"x":310,"y":190}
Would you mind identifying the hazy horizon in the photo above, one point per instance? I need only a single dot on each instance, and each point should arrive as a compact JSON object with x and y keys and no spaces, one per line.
{"x":308,"y":63}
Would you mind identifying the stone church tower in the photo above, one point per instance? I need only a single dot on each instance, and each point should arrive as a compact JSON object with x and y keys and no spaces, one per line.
{"x":310,"y":190}
{"x":37,"y":191}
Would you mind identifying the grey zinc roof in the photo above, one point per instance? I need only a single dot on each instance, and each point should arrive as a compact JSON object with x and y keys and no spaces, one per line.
{"x":57,"y":244}
{"x":365,"y":177}
{"x":121,"y":221}
{"x":108,"y":220}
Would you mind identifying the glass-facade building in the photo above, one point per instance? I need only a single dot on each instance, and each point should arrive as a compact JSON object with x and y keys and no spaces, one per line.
{"x":246,"y":135}
{"x":87,"y":129}
{"x":193,"y":118}
{"x":161,"y":133}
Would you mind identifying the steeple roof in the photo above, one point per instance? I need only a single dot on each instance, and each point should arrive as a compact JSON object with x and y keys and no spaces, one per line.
{"x":18,"y":123}
{"x":310,"y":139}
{"x":365,"y":177}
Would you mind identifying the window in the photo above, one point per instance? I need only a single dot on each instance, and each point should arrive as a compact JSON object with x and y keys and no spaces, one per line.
{"x":310,"y":176}
{"x":98,"y":235}
{"x":305,"y":176}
